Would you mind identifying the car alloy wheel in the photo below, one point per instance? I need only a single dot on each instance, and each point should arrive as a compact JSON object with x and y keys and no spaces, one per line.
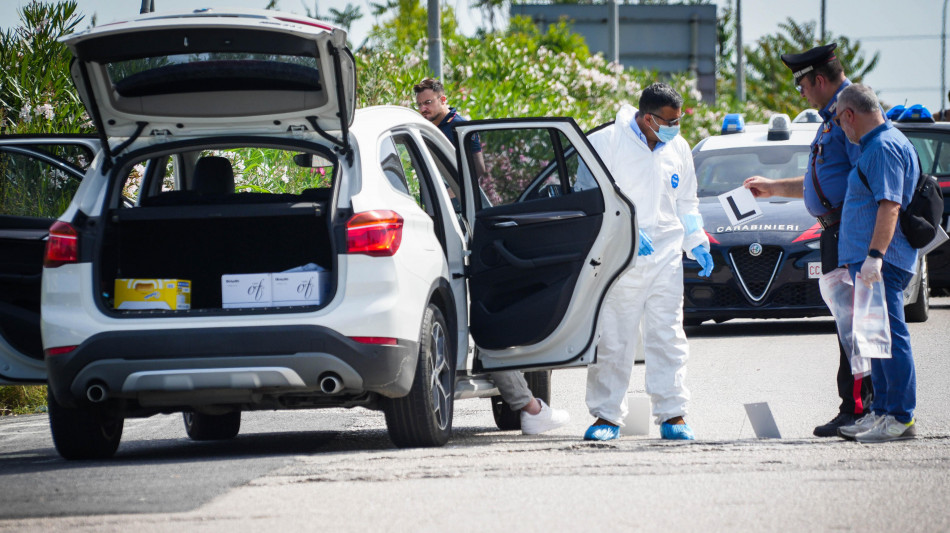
{"x":424,"y":416}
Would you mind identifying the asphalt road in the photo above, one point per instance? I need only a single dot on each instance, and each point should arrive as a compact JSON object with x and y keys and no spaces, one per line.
{"x":336,"y":469}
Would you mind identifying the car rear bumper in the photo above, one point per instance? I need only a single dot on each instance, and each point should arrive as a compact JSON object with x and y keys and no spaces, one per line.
{"x":227,"y":365}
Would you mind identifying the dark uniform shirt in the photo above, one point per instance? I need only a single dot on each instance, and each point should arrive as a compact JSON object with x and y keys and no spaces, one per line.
{"x":832,"y":158}
{"x":446,"y":127}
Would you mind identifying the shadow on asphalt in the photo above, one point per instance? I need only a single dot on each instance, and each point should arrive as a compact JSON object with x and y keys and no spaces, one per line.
{"x":165,"y":451}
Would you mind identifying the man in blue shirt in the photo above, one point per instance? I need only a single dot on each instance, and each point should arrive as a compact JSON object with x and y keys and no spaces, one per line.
{"x":820,"y":79}
{"x":874,"y":249}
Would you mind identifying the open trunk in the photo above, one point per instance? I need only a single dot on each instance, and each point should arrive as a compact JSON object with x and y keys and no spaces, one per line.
{"x":202,"y":243}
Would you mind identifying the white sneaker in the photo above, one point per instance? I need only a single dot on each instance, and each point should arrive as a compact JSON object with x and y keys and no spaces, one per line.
{"x":546,"y":420}
{"x":888,"y":429}
{"x":861,"y":425}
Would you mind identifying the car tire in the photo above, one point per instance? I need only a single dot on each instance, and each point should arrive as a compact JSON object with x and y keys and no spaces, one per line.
{"x":200,"y":426}
{"x":919,"y":311}
{"x":83,"y":433}
{"x":423,"y":418}
{"x":506,"y":418}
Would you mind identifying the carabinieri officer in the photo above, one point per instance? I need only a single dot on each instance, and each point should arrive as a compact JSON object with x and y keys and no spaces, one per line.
{"x":819,"y":78}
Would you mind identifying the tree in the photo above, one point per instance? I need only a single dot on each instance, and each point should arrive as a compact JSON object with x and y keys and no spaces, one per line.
{"x":36,"y":92}
{"x":770,"y":84}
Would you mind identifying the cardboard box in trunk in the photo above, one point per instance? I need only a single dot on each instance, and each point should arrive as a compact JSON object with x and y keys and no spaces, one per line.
{"x":171,"y":294}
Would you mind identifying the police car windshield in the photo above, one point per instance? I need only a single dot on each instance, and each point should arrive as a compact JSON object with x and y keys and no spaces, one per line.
{"x":719,"y":171}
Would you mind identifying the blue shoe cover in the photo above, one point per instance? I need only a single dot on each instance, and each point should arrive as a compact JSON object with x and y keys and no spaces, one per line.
{"x":604,"y":432}
{"x":676,"y":432}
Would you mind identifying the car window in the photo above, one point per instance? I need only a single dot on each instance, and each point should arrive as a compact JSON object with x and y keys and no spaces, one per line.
{"x":255,"y":169}
{"x":391,"y":162}
{"x":418,"y":177}
{"x":410,"y":166}
{"x":933,"y":149}
{"x":720,"y":171}
{"x":449,"y":175}
{"x":34,"y":186}
{"x":525,"y":164}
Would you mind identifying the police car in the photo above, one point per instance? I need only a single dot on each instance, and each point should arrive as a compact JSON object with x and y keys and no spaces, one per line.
{"x":768,"y":267}
{"x":932,"y":141}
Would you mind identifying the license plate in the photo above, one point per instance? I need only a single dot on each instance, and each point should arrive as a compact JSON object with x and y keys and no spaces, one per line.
{"x":814,"y":270}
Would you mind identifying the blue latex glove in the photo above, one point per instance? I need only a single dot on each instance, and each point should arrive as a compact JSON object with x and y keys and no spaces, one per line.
{"x":704,"y":259}
{"x":646,"y":244}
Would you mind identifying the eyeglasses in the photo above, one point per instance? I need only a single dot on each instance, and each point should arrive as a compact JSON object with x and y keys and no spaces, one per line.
{"x":426,"y":103}
{"x":800,"y":85}
{"x":674,"y":122}
{"x":837,"y":118}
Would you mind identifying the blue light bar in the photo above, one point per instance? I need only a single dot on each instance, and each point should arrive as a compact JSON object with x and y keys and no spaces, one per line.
{"x":916,"y":113}
{"x":894,"y":113}
{"x":733,"y":123}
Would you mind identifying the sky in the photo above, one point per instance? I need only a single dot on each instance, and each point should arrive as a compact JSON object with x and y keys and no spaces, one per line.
{"x":908,"y":70}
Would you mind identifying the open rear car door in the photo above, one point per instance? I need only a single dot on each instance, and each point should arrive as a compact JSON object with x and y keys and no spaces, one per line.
{"x":551,"y":232}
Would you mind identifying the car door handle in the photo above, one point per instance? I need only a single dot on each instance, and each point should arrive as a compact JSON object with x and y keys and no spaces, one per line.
{"x":535,"y":262}
{"x":505,"y":224}
{"x":525,"y":219}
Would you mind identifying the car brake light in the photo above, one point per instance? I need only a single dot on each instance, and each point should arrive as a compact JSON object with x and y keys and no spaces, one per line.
{"x":376,"y":233}
{"x":376,"y":340}
{"x":811,"y":233}
{"x":58,"y":350}
{"x":306,"y":23}
{"x":62,"y":247}
{"x":712,"y":240}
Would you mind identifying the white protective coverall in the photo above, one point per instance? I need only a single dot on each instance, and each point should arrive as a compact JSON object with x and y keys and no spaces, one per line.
{"x":662,"y":185}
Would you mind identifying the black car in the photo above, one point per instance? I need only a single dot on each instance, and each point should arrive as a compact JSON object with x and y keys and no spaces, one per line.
{"x":932,"y":141}
{"x":769,"y":267}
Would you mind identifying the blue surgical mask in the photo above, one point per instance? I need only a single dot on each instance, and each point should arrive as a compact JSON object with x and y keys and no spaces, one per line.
{"x":665,"y":133}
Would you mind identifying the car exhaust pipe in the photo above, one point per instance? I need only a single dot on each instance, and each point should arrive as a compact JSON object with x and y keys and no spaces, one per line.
{"x":331,"y":383}
{"x":97,"y":393}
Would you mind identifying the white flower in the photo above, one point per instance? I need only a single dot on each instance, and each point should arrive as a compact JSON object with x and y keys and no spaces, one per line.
{"x":46,"y":110}
{"x":25,"y":114}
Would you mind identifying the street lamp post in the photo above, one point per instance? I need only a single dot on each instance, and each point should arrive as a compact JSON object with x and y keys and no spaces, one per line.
{"x":435,"y":40}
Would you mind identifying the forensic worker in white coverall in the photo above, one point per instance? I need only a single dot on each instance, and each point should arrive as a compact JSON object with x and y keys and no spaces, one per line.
{"x":653,"y":166}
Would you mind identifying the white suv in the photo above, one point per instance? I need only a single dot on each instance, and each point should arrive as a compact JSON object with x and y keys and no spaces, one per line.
{"x":245,"y":240}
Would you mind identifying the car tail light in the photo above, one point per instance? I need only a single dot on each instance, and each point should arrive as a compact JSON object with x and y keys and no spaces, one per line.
{"x":58,"y":350}
{"x":712,"y":240}
{"x":376,"y":233}
{"x":62,"y":247}
{"x":376,"y":340}
{"x":810,"y":234}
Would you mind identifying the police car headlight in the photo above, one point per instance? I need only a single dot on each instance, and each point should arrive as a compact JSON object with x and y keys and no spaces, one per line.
{"x":813,"y":245}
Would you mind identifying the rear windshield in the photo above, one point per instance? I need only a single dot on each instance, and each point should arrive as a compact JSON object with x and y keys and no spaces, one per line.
{"x":230,"y":175}
{"x":719,"y":171}
{"x":214,"y":71}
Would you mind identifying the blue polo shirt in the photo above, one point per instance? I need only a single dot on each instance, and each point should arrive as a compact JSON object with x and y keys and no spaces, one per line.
{"x":889,"y":162}
{"x":832,"y":158}
{"x":446,"y":127}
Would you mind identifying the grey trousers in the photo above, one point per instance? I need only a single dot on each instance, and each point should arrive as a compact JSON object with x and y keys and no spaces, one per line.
{"x":513,"y":388}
